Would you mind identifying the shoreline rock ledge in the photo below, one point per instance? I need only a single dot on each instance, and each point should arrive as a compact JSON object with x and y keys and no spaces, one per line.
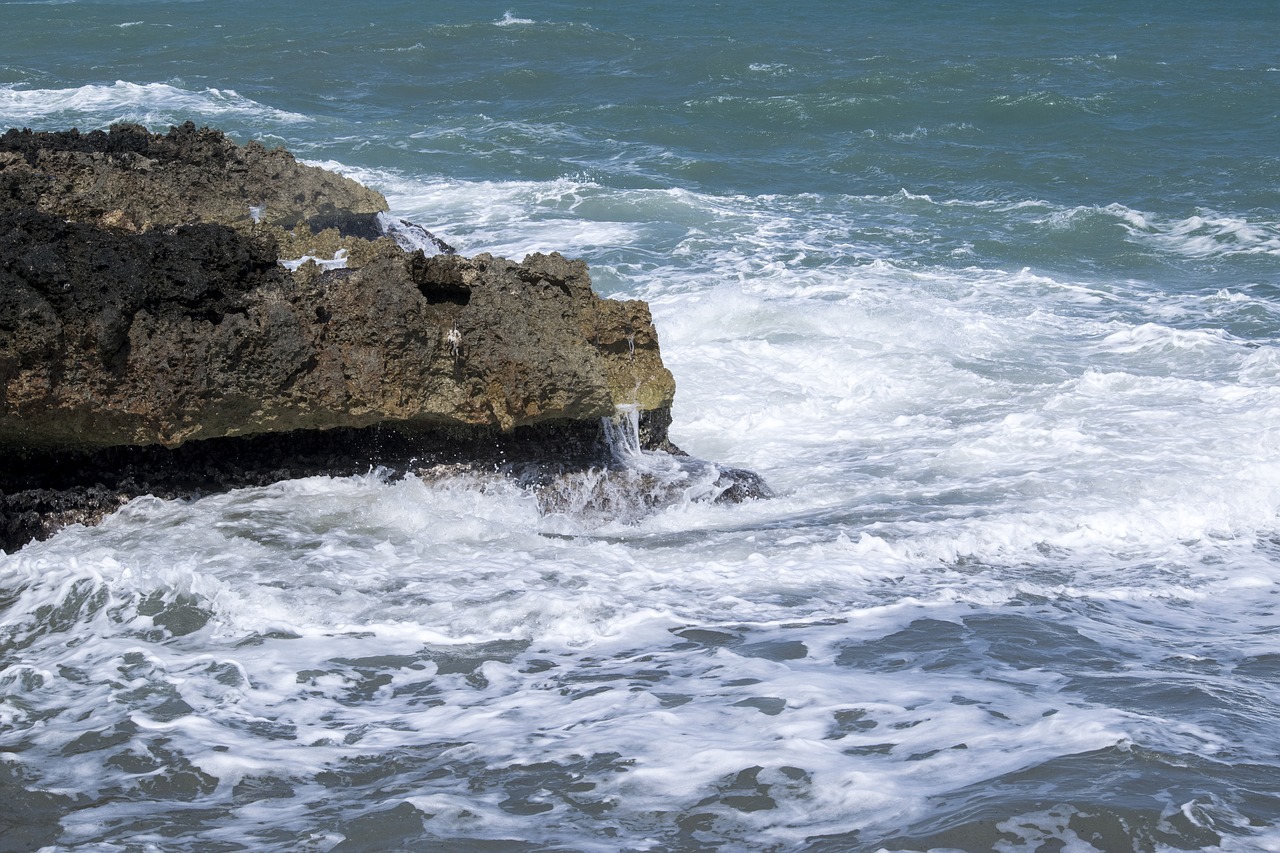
{"x":181,"y":315}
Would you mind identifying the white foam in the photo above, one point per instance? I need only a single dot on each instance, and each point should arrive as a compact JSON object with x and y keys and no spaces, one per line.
{"x":1207,"y":234}
{"x":155,"y":105}
{"x":506,"y":218}
{"x":376,"y":579}
{"x":509,"y":19}
{"x":337,"y":262}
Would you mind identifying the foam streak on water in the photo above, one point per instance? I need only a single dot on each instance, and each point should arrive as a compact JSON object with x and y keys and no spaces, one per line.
{"x":155,"y":104}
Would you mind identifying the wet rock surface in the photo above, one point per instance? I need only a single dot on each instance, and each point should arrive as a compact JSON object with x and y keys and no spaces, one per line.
{"x":151,"y":341}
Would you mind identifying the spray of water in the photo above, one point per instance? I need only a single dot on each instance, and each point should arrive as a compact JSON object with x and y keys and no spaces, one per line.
{"x":634,"y":484}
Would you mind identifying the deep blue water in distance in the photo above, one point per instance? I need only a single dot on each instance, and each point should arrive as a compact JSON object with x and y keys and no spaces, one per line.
{"x":989,"y":292}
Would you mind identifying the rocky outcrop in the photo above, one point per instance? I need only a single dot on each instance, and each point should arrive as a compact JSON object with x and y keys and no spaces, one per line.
{"x":147,"y":327}
{"x":110,"y":339}
{"x":130,"y":179}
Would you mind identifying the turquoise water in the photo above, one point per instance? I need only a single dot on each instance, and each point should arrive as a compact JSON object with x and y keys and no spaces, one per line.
{"x":990,"y":294}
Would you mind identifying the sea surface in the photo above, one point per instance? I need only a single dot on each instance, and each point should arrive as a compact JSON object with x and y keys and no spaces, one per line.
{"x":989,"y":292}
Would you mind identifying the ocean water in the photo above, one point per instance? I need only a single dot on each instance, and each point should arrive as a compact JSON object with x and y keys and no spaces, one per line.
{"x":988,"y":292}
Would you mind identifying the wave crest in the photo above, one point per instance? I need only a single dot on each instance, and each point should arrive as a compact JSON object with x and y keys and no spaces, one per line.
{"x":149,"y":104}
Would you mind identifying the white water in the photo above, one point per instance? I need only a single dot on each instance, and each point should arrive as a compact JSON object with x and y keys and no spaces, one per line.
{"x":1022,"y":568}
{"x":151,"y":104}
{"x":1003,"y":524}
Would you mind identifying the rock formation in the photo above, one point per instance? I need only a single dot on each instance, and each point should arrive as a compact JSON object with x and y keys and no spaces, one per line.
{"x":149,"y":332}
{"x":132,"y":180}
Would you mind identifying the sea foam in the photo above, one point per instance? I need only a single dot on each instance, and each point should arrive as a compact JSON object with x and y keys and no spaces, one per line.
{"x":150,"y":104}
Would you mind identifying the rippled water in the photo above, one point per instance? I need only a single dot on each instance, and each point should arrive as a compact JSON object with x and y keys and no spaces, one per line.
{"x":988,"y":294}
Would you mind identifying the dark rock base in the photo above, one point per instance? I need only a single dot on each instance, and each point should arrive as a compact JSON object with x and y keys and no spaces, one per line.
{"x":569,"y":464}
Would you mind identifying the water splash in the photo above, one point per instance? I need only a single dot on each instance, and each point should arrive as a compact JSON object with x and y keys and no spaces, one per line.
{"x":637,"y":483}
{"x":622,"y":432}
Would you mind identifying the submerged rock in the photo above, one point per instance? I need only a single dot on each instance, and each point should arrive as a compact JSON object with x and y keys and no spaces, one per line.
{"x":151,"y":340}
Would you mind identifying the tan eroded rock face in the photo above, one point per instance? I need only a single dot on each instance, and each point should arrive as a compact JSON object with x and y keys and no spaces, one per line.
{"x":141,"y":303}
{"x":121,"y":339}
